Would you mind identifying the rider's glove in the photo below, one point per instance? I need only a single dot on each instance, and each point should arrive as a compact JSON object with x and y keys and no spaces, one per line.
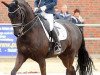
{"x":43,"y":8}
{"x":36,"y":9}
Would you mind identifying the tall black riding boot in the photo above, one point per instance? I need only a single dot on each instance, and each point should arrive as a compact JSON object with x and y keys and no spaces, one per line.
{"x":57,"y":48}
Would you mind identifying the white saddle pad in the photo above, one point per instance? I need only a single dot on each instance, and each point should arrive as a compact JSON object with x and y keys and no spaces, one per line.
{"x":62,"y":31}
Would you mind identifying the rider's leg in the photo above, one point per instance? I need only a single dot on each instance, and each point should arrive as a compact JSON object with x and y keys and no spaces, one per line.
{"x":57,"y":47}
{"x":50,"y":19}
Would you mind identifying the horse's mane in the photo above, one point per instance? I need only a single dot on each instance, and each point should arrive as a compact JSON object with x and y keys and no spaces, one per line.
{"x":26,"y":4}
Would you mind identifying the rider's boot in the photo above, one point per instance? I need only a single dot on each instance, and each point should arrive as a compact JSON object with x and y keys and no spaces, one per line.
{"x":57,"y":48}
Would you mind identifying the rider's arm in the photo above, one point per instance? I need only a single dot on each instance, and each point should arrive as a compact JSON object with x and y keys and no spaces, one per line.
{"x":52,"y":4}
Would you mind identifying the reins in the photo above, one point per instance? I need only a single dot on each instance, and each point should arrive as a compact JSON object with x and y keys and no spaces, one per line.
{"x":22,"y":33}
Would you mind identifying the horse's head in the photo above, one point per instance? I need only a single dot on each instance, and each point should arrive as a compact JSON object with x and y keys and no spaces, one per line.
{"x":18,"y":14}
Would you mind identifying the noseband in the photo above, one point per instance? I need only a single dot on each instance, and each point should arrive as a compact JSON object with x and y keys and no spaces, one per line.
{"x":22,"y":25}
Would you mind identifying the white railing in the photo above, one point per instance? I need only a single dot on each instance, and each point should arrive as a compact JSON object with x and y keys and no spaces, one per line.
{"x":95,"y":39}
{"x":90,"y":25}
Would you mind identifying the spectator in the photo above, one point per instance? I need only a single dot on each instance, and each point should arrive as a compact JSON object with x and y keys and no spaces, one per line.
{"x":64,"y":14}
{"x":56,"y":14}
{"x":76,"y":18}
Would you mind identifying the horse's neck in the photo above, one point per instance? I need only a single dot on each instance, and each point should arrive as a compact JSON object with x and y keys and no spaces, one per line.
{"x":29,"y":18}
{"x":29,"y":14}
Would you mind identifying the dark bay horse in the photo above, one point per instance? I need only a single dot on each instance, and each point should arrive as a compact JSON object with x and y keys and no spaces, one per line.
{"x":33,"y":43}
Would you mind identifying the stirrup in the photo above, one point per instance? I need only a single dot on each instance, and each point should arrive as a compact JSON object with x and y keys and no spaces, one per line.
{"x":58,"y":44}
{"x":57,"y":48}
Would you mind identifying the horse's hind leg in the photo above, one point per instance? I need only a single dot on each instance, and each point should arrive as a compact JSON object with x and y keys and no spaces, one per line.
{"x":19,"y":61}
{"x":68,"y":63}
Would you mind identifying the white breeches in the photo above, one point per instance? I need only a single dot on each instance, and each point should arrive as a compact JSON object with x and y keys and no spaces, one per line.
{"x":49,"y":18}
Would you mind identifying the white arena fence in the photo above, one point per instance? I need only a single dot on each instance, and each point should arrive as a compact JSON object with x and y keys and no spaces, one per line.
{"x":91,"y":25}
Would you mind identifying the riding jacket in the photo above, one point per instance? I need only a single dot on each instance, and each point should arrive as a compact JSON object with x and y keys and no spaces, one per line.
{"x":48,"y":3}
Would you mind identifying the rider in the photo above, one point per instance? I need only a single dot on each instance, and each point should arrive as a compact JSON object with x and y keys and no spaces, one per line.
{"x":46,"y":9}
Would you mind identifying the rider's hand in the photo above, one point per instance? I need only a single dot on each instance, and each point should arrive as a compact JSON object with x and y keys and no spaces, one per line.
{"x":43,"y":8}
{"x":36,"y":9}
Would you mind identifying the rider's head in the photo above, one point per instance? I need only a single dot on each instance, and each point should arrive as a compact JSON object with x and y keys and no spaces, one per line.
{"x":76,"y":12}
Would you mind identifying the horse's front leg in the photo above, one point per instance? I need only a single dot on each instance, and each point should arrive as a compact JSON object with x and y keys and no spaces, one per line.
{"x":19,"y":61}
{"x":42,"y":64}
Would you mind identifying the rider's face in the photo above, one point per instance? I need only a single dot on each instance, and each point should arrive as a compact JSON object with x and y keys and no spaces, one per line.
{"x":76,"y":14}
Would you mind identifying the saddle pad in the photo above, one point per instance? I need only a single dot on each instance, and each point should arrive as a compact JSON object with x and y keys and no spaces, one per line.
{"x":60,"y":28}
{"x":62,"y":31}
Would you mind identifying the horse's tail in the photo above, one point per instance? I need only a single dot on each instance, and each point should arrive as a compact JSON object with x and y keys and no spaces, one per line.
{"x":85,"y":64}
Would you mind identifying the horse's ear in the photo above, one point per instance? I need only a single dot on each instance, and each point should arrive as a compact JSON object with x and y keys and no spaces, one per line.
{"x":7,"y":5}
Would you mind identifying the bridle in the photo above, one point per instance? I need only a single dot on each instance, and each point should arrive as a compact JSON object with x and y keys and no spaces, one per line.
{"x":22,"y":25}
{"x":22,"y":17}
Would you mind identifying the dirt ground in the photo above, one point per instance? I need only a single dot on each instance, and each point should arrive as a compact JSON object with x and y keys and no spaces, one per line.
{"x":30,"y":67}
